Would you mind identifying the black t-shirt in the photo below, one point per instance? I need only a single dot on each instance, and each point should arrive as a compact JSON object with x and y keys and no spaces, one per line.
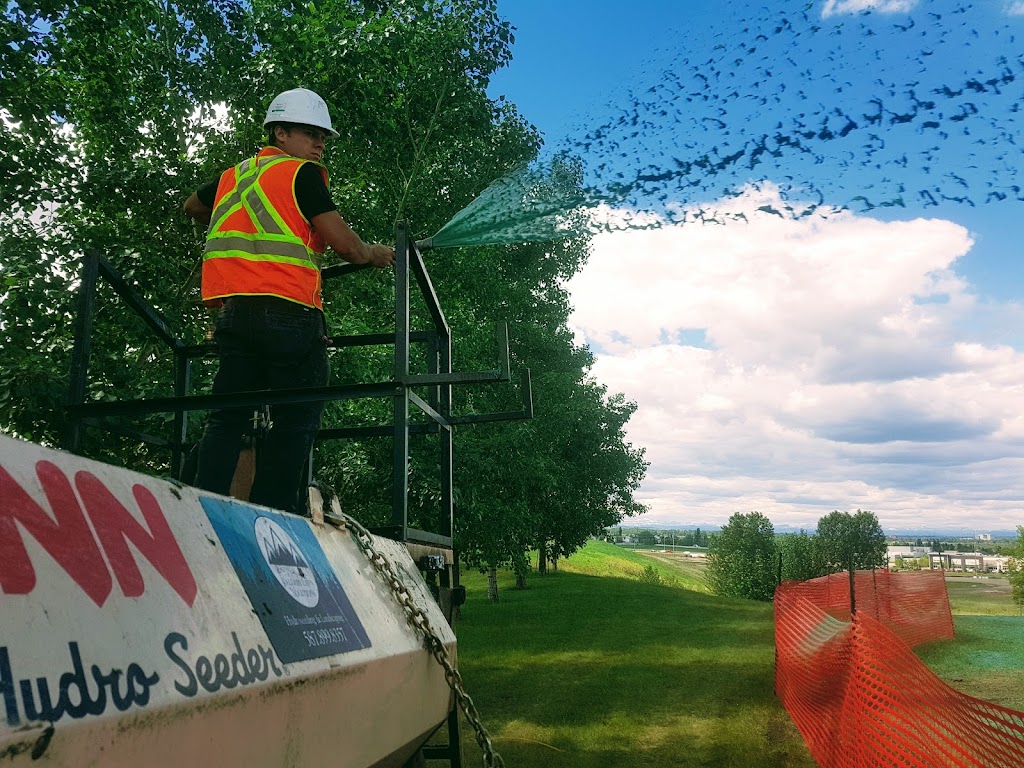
{"x":310,"y":192}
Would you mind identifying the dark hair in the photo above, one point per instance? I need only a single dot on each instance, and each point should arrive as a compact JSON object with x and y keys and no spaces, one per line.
{"x":271,"y":135}
{"x":289,"y":127}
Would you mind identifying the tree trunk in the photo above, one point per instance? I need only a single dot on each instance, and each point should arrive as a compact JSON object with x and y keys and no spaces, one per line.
{"x":554,"y":562}
{"x":542,"y":559}
{"x":521,"y":563}
{"x":492,"y":584}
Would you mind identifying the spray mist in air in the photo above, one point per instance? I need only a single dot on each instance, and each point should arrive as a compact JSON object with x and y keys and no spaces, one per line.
{"x":835,"y":108}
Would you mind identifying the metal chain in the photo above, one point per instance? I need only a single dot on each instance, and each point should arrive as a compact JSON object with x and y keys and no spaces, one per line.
{"x":419,"y":621}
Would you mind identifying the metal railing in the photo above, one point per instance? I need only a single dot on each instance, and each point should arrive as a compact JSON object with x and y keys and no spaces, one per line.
{"x":435,"y":405}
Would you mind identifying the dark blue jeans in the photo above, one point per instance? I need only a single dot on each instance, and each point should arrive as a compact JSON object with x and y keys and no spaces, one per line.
{"x":265,"y":343}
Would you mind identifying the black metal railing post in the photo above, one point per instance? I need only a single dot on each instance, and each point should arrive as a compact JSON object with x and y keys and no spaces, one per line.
{"x":400,"y":455}
{"x":72,"y":440}
{"x":182,"y":385}
{"x":446,"y":447}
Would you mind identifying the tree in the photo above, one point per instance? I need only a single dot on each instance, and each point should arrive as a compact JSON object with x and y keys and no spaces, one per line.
{"x":800,"y":557}
{"x":562,"y":477}
{"x":1017,"y":569}
{"x":591,"y":470}
{"x":495,"y":523}
{"x":646,"y":537}
{"x":844,"y":538}
{"x":100,"y":111}
{"x":741,"y":558}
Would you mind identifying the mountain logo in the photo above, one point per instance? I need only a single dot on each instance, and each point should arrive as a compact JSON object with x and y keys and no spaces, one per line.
{"x":287,"y":562}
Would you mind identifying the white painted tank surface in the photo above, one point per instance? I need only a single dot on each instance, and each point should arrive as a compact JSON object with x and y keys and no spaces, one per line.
{"x":148,"y":624}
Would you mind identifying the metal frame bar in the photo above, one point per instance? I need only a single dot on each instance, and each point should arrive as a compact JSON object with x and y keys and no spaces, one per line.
{"x":182,"y":385}
{"x":444,"y":391}
{"x":400,"y":409}
{"x":526,"y":387}
{"x":72,"y":440}
{"x":134,"y":434}
{"x":424,"y":406}
{"x":142,"y":308}
{"x":419,"y":270}
{"x":234,"y":399}
{"x":387,"y":430}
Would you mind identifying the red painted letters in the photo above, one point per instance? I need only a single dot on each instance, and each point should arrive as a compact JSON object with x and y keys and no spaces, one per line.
{"x":67,"y":538}
{"x":115,"y":527}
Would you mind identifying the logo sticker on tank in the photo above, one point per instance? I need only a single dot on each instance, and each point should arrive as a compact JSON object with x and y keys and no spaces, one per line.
{"x":291,"y":585}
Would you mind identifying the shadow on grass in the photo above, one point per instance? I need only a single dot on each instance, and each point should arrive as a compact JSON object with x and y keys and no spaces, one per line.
{"x":587,"y":671}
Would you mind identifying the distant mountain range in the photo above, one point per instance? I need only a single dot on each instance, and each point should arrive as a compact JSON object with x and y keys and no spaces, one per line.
{"x":896,"y":533}
{"x":904,"y":533}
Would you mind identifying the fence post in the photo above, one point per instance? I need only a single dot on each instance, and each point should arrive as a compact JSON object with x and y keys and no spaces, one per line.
{"x":853,"y":597}
{"x":874,"y":594}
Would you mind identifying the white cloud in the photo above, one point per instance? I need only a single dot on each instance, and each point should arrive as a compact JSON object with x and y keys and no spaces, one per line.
{"x":1015,"y":8}
{"x":800,"y":366}
{"x":836,"y":7}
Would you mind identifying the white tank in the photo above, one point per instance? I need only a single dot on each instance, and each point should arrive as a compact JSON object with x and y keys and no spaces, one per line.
{"x":144,"y":623}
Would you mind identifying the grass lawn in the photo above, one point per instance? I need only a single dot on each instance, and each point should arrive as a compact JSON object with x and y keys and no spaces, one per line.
{"x":674,"y":569}
{"x":618,"y":660}
{"x":989,"y":596}
{"x":986,"y":659}
{"x":624,"y":659}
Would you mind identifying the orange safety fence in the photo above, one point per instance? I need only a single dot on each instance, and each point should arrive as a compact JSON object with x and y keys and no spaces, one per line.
{"x":858,"y":694}
{"x":913,"y":605}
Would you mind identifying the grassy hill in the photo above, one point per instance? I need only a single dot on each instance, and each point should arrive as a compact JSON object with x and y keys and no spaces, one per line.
{"x":986,"y":657}
{"x":621,"y":660}
{"x":624,"y":659}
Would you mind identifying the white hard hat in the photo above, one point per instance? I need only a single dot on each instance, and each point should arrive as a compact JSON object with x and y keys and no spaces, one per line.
{"x":300,"y":106}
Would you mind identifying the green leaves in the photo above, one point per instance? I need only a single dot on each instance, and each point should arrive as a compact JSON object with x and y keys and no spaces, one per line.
{"x":844,"y":538}
{"x":742,"y":558}
{"x":800,"y":557}
{"x":1016,"y":574}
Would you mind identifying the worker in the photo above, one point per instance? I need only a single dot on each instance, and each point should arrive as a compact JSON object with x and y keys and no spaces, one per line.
{"x":270,"y":219}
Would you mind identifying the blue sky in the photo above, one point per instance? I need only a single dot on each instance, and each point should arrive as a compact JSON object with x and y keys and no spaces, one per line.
{"x":868,"y":358}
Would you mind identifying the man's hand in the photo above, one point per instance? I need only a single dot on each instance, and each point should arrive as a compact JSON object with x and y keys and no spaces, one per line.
{"x":382,"y":255}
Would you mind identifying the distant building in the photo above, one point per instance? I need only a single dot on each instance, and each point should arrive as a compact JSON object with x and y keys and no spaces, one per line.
{"x":973,"y":562}
{"x":892,"y":554}
{"x":984,"y":537}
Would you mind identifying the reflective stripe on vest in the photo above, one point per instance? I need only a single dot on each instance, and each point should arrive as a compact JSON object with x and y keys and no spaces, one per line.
{"x":272,"y":259}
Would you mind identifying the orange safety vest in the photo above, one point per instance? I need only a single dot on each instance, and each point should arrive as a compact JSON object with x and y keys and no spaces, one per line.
{"x":259,"y":243}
